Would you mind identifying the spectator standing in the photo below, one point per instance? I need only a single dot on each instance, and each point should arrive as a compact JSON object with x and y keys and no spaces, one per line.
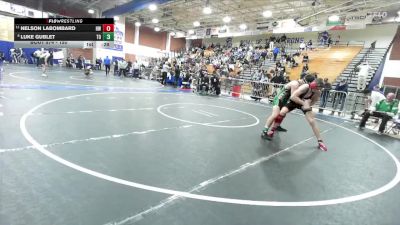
{"x":304,"y":71}
{"x":136,"y":68}
{"x":80,"y":62}
{"x":177,"y":75}
{"x":362,"y":76}
{"x":302,"y":46}
{"x":340,"y":96}
{"x":326,"y":88}
{"x":2,"y":58}
{"x":122,"y":65}
{"x":309,"y":45}
{"x":164,"y":72}
{"x":271,"y":42}
{"x":107,"y":65}
{"x":276,"y":52}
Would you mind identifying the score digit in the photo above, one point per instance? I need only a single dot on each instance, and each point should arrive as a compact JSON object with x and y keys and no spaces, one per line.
{"x":108,"y":27}
{"x":98,"y":36}
{"x":108,"y":36}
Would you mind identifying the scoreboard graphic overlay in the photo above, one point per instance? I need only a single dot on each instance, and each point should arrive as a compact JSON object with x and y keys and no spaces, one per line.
{"x":63,"y":33}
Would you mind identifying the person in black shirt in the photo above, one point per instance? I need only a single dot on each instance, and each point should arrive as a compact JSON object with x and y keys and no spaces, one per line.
{"x":177,"y":75}
{"x":324,"y":94}
{"x":278,"y":79}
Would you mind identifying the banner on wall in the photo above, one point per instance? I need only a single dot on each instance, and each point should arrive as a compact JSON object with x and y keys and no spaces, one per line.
{"x":223,"y":30}
{"x":342,"y":27}
{"x":201,"y":33}
{"x":6,"y":28}
{"x":340,"y":22}
{"x":119,"y":37}
{"x":358,"y":20}
{"x":263,"y":26}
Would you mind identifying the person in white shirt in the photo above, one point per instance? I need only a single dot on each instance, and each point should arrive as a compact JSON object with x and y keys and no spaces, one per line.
{"x":164,"y":71}
{"x":376,"y":96}
{"x":302,"y":46}
{"x":362,"y":76}
{"x":122,"y":65}
{"x":43,"y":57}
{"x":136,"y":69}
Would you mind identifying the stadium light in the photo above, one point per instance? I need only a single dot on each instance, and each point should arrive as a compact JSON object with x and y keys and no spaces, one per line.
{"x":334,"y":18}
{"x":267,"y":14}
{"x":153,"y":7}
{"x":207,"y":10}
{"x":227,"y":19}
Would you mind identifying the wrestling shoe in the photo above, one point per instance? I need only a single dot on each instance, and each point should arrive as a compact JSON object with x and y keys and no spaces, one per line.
{"x":281,"y":129}
{"x":44,"y":75}
{"x":268,"y":135}
{"x":322,"y":146}
{"x":264,"y":133}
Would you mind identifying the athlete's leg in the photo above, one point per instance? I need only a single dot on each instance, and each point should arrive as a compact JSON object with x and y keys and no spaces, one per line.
{"x":310,"y":117}
{"x":271,"y":118}
{"x":279,"y":118}
{"x":44,"y":67}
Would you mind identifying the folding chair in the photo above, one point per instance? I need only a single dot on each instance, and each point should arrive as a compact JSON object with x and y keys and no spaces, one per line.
{"x":394,"y":127}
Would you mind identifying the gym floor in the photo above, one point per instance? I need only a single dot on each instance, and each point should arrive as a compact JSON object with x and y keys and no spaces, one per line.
{"x":77,"y":151}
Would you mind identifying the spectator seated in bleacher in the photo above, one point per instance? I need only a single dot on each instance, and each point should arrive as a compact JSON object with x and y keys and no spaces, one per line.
{"x":306,"y":58}
{"x":309,"y":45}
{"x":385,"y":109}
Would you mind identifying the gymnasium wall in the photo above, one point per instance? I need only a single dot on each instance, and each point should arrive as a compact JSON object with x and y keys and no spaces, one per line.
{"x":129,"y":33}
{"x":391,"y":71}
{"x":76,"y":52}
{"x":149,"y":38}
{"x":177,"y":43}
{"x":6,"y":28}
{"x":382,"y":33}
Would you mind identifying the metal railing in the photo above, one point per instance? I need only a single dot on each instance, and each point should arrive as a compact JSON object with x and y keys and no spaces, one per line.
{"x":343,"y":103}
{"x":335,"y":101}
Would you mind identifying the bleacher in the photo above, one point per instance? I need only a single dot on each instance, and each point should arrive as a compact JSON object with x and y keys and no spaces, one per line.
{"x":247,"y":73}
{"x":374,"y":58}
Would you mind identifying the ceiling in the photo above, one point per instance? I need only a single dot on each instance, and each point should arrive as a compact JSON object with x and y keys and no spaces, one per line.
{"x":179,"y":15}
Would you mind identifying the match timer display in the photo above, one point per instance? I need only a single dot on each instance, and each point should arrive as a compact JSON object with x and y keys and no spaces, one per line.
{"x":64,"y":33}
